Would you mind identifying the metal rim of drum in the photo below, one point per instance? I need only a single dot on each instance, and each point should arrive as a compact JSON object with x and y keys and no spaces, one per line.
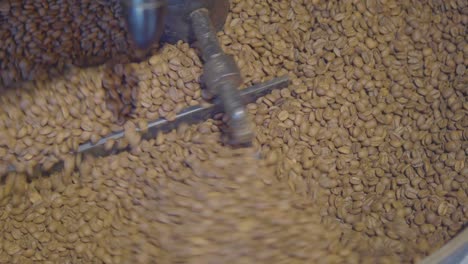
{"x":178,"y":25}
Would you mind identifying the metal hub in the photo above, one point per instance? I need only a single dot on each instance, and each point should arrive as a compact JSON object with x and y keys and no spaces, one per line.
{"x":151,"y":21}
{"x":145,"y":21}
{"x":179,"y":25}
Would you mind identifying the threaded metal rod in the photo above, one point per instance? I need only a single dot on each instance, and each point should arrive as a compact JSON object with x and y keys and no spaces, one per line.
{"x":205,"y":34}
{"x":222,"y":76}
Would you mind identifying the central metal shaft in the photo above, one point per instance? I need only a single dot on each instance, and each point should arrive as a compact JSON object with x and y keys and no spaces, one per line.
{"x":222,"y":77}
{"x":145,"y":20}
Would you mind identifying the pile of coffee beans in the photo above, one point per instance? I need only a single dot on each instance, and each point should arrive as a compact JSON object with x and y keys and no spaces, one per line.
{"x":360,"y":160}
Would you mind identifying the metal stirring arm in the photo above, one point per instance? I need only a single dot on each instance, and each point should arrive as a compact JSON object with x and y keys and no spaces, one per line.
{"x":190,"y":115}
{"x":195,"y":20}
{"x":222,"y":77}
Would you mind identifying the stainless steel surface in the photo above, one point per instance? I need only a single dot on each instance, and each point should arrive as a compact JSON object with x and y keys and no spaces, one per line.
{"x":145,"y":20}
{"x":190,"y":115}
{"x":222,"y":77}
{"x":454,"y":252}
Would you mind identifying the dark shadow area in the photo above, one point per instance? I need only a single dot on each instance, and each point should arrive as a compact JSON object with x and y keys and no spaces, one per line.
{"x":40,"y":40}
{"x":44,"y":40}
